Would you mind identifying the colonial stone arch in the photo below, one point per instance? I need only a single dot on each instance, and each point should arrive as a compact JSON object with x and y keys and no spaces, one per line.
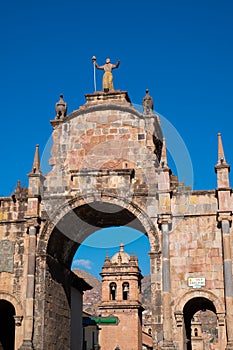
{"x":14,"y":301}
{"x":188,"y":305}
{"x":109,"y":167}
{"x":136,"y":217}
{"x":11,"y":318}
{"x":70,"y":225}
{"x":218,"y":303}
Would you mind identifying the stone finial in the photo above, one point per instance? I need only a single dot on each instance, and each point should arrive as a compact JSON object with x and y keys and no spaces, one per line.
{"x":147,"y":103}
{"x":36,"y":162}
{"x":107,"y":259}
{"x":222,"y":168}
{"x":20,"y":193}
{"x":18,"y":187}
{"x":121,"y":247}
{"x":61,"y":108}
{"x":221,"y":156}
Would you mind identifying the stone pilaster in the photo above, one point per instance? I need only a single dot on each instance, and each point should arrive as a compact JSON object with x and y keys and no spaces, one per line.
{"x":164,"y":221}
{"x":224,"y":216}
{"x":228,"y":281}
{"x":166,"y":284}
{"x":30,"y":290}
{"x":156,"y":296}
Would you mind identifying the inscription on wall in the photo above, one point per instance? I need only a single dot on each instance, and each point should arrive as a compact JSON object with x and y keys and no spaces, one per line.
{"x":7,"y":256}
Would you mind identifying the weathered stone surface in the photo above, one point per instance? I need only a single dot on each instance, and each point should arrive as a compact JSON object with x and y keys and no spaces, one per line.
{"x":106,"y":171}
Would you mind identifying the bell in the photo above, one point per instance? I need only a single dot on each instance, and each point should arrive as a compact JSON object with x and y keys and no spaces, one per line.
{"x":113,"y":287}
{"x":126,"y":288}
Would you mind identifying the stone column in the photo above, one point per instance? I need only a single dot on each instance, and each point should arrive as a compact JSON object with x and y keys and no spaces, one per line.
{"x":156,"y":290}
{"x":166,"y":288}
{"x":29,"y":316}
{"x":228,"y":281}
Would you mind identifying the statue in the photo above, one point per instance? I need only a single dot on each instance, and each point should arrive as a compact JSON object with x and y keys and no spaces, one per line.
{"x":107,"y":77}
{"x":61,"y":108}
{"x":147,"y":103}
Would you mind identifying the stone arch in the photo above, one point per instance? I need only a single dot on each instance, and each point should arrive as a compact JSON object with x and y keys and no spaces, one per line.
{"x":13,"y":300}
{"x":60,"y":238}
{"x":142,"y":221}
{"x":218,"y":304}
{"x":7,"y":325}
{"x":188,"y":305}
{"x":17,"y":333}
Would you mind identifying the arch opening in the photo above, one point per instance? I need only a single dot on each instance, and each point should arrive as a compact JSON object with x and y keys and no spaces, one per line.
{"x":69,"y":233}
{"x":7,"y":325}
{"x":79,"y":223}
{"x":193,"y":313}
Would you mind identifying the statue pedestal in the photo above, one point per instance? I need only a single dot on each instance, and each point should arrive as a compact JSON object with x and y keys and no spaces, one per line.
{"x":103,"y":97}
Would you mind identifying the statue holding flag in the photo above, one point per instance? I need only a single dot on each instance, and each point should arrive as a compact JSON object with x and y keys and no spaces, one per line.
{"x":107,"y":77}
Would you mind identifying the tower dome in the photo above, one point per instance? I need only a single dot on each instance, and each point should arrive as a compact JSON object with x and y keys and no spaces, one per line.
{"x":120,"y":256}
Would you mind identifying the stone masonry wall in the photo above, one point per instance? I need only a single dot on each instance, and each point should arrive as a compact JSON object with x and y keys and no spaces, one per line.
{"x":195,"y":250}
{"x":13,"y":240}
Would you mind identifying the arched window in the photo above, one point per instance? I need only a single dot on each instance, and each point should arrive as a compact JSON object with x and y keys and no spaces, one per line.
{"x":113,"y":288}
{"x":196,"y":332}
{"x":125,"y":291}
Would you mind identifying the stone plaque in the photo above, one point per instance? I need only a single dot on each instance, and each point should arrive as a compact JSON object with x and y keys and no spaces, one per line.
{"x":7,"y":256}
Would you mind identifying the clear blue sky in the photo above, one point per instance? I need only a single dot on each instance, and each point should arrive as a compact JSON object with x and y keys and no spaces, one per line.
{"x":90,"y":256}
{"x":181,"y":50}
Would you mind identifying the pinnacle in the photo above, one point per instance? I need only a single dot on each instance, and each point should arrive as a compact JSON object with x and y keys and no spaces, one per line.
{"x":163,"y":160}
{"x":221,"y":156}
{"x":36,"y":162}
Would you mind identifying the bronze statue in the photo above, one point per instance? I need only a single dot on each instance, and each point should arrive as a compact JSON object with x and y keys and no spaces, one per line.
{"x":107,"y":77}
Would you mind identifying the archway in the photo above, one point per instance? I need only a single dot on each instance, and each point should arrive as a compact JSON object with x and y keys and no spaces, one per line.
{"x":72,"y":224}
{"x":190,"y":309}
{"x":7,"y":325}
{"x":88,"y":263}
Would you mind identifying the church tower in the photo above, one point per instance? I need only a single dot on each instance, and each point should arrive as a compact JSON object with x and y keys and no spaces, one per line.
{"x":121,"y":298}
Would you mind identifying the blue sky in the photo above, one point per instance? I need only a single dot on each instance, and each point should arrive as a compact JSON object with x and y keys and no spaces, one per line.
{"x":90,"y":256}
{"x":181,"y":50}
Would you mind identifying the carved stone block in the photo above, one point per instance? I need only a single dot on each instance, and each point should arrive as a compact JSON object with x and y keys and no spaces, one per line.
{"x":7,"y":256}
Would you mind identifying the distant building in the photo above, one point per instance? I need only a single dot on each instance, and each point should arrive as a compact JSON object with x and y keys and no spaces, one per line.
{"x":90,"y":332}
{"x":121,"y":298}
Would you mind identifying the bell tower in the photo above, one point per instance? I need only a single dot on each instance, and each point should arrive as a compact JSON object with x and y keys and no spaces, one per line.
{"x":121,"y":298}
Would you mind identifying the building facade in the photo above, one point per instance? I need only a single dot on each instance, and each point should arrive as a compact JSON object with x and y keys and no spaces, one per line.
{"x":109,"y":168}
{"x":121,"y":299}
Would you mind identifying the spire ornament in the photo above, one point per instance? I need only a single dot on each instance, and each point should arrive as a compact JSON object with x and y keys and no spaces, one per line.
{"x":222,"y":168}
{"x":221,"y":155}
{"x":36,"y":162}
{"x":147,"y":103}
{"x":61,"y":108}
